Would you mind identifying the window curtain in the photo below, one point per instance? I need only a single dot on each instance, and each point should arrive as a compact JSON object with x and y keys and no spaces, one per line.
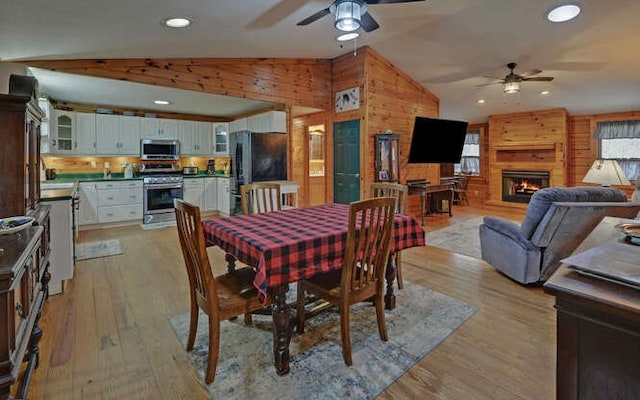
{"x":630,"y":164}
{"x":470,"y":161}
{"x":618,"y":130}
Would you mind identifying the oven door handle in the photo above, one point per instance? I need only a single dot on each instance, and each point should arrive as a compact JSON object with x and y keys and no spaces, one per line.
{"x":163,"y":186}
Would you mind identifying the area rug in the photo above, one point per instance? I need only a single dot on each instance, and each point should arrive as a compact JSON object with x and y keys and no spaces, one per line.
{"x":423,"y":318}
{"x":461,"y":238}
{"x":104,"y":248}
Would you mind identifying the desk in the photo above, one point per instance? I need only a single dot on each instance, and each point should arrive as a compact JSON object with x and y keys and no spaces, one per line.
{"x":426,"y":190}
{"x":289,"y":245}
{"x":598,"y":330}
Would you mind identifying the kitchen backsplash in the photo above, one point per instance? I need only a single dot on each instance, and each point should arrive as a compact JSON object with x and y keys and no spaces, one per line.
{"x":95,"y":164}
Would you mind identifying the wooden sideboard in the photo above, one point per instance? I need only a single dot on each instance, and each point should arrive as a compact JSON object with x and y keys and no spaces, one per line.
{"x":598,"y":330}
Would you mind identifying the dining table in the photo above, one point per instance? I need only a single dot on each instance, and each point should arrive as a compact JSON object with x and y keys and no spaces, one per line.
{"x":298,"y":243}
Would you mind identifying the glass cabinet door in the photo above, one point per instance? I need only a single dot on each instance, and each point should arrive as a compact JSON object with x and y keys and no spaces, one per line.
{"x":64,"y":140}
{"x":387,"y":158}
{"x":221,"y":139}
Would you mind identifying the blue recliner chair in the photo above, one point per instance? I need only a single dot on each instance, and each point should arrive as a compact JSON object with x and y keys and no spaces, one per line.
{"x":556,"y":222}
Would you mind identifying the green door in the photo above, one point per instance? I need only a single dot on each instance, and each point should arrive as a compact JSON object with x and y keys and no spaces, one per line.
{"x":346,"y":162}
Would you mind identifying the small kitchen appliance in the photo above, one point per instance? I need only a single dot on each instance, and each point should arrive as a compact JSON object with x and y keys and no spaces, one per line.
{"x":190,"y":170}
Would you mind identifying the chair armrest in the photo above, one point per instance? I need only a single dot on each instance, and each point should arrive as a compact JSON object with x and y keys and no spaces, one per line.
{"x":507,"y":228}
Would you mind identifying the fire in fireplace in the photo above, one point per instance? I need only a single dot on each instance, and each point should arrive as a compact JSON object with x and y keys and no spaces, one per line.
{"x":519,"y":186}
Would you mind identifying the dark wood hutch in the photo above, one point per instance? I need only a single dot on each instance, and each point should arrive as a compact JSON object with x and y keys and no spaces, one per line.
{"x":24,"y":256}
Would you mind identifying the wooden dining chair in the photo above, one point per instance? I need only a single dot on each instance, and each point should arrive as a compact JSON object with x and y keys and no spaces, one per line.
{"x":361,"y":277}
{"x":400,"y":192}
{"x":222,"y":297}
{"x":460,"y":190}
{"x":260,"y":197}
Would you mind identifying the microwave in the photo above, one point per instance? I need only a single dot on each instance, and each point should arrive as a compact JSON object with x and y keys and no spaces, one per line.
{"x":158,"y":149}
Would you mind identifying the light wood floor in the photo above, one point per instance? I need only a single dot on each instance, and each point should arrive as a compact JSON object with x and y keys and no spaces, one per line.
{"x":108,"y":336}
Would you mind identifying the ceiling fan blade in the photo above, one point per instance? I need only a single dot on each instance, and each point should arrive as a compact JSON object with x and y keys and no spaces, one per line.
{"x":314,"y":17}
{"x":490,"y":83}
{"x":539,"y":79}
{"x":368,"y":23}
{"x":530,"y":73}
{"x":389,"y":1}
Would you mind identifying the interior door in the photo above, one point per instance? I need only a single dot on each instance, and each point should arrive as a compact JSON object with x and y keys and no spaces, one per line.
{"x":346,"y":169}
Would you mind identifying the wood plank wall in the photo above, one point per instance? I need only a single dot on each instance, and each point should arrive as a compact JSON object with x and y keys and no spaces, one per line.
{"x":536,"y":140}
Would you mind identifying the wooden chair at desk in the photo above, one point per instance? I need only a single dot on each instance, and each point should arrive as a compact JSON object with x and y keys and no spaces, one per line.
{"x":362,"y":275}
{"x":259,"y":198}
{"x":400,"y":192}
{"x":460,"y":190}
{"x":222,"y":297}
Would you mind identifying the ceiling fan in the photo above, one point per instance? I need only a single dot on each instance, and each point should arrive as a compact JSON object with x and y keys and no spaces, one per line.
{"x":511,"y":82}
{"x":351,"y":14}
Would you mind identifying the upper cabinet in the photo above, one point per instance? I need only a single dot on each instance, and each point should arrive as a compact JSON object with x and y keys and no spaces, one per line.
{"x":221,"y":139}
{"x":271,"y":121}
{"x":71,"y":133}
{"x":159,"y":128}
{"x":195,"y":138}
{"x":117,"y":135}
{"x":238,"y":125}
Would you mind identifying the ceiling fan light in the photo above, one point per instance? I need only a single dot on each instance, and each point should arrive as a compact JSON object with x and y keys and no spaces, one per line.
{"x":563,"y":13}
{"x":511,"y":87}
{"x":348,"y":15}
{"x":347,"y":36}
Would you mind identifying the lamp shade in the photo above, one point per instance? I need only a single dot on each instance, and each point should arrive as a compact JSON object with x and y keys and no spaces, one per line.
{"x":606,"y":173}
{"x":348,"y":14}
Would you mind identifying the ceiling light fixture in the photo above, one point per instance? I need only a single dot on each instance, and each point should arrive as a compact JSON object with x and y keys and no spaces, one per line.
{"x":161,"y":102}
{"x":347,"y":36}
{"x":511,"y":87}
{"x":563,"y":13}
{"x":545,"y":92}
{"x":177,"y":22}
{"x":348,"y":14}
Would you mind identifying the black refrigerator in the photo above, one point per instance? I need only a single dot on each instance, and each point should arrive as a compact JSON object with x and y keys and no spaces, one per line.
{"x":255,"y":157}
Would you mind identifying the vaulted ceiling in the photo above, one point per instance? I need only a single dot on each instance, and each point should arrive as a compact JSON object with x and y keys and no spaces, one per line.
{"x":450,"y":47}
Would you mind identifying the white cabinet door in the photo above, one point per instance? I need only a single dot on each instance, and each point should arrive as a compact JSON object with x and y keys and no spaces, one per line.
{"x":130,"y":127}
{"x":224,"y":200}
{"x":187,"y":137}
{"x":211,"y":194}
{"x":204,"y":138}
{"x":221,"y":139}
{"x":194,"y":191}
{"x":271,"y":121}
{"x":88,"y":203}
{"x":159,"y":128}
{"x":85,"y":132}
{"x":63,"y":136}
{"x":107,"y":134}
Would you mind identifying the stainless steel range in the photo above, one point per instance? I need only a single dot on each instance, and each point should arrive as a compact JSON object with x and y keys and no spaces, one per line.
{"x":162,"y":183}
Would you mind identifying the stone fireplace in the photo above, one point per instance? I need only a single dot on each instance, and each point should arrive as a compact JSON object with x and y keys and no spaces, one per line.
{"x":519,"y":186}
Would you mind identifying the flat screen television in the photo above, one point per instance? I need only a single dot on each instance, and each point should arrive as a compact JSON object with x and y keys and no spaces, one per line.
{"x":437,"y":140}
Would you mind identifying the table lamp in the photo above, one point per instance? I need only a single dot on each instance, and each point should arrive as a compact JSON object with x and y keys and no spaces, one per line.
{"x":606,"y":173}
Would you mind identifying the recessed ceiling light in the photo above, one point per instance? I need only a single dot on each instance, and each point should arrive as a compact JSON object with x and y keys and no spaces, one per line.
{"x":178,"y":22}
{"x":563,"y":13}
{"x":481,"y":101}
{"x":347,"y":36}
{"x":161,"y":102}
{"x":545,"y":92}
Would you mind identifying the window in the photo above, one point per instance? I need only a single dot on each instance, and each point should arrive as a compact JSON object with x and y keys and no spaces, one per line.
{"x":620,"y":141}
{"x":470,"y":161}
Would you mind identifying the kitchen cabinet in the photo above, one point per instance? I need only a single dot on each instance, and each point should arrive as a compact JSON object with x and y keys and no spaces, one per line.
{"x":159,"y":128}
{"x":119,"y":201}
{"x":88,"y":212}
{"x":238,"y":125}
{"x":195,"y":138}
{"x":62,"y":263}
{"x":221,"y":139}
{"x":85,"y":134}
{"x":117,"y":135}
{"x":211,"y":194}
{"x":224,"y":200}
{"x":45,"y":136}
{"x":271,"y":121}
{"x":63,"y":132}
{"x":193,"y":191}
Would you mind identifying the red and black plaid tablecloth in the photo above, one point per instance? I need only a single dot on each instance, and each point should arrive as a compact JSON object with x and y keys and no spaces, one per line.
{"x":289,"y":245}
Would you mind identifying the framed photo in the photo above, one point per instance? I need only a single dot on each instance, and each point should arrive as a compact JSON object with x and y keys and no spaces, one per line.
{"x":383,"y":175}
